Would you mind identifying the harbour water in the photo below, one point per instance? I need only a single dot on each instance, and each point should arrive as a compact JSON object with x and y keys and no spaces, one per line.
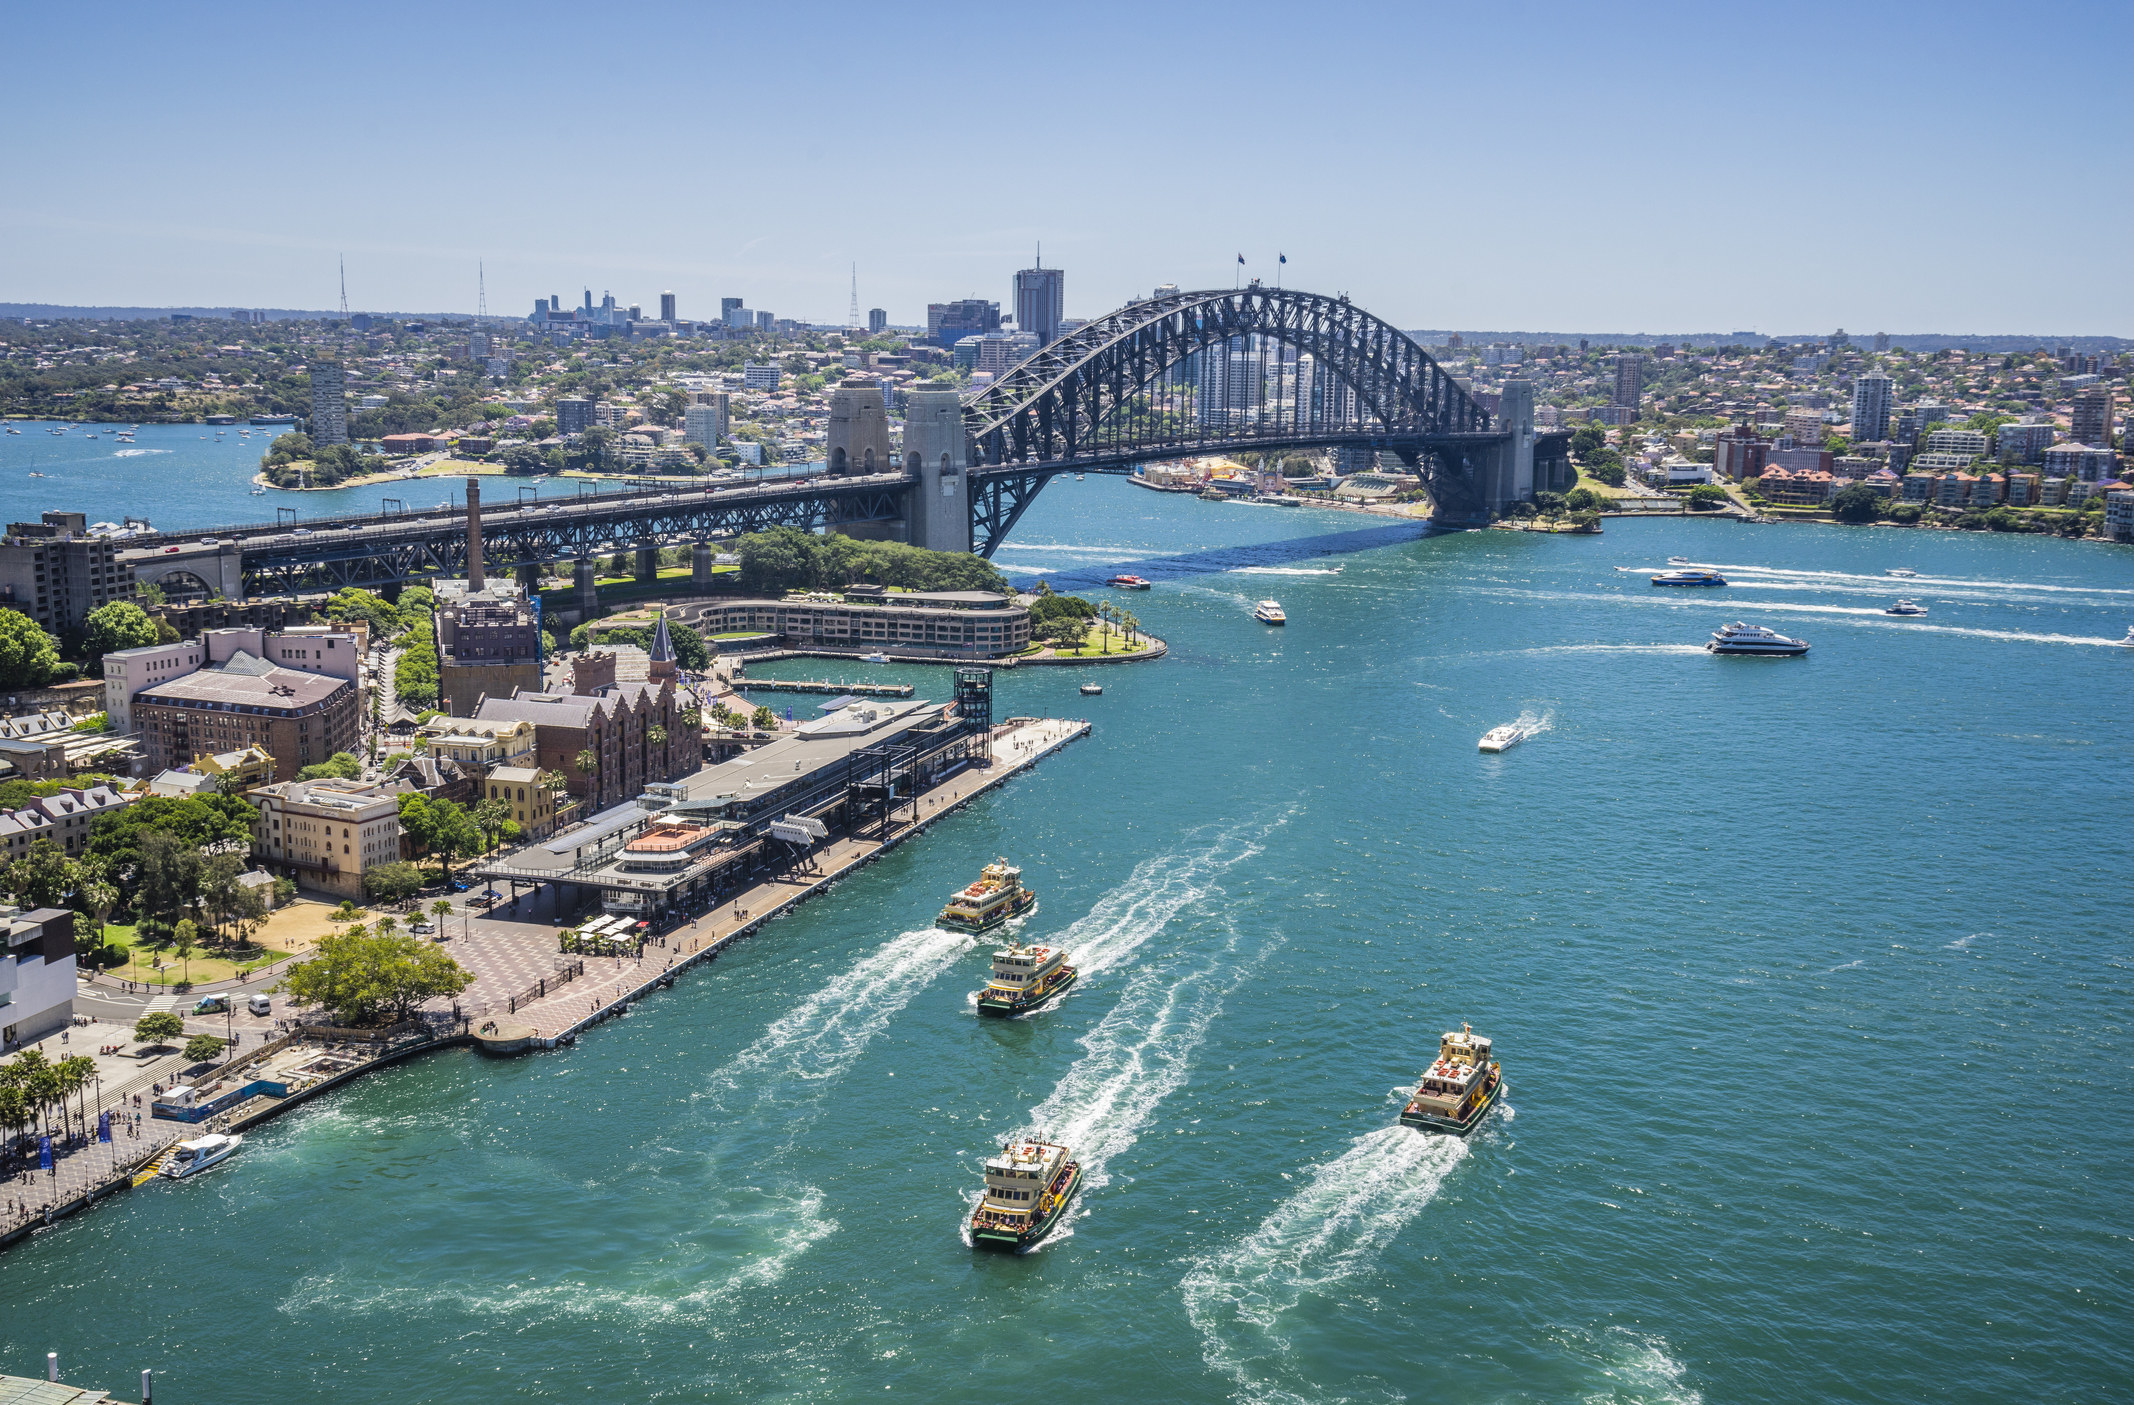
{"x":1809,"y":976}
{"x":181,"y":476}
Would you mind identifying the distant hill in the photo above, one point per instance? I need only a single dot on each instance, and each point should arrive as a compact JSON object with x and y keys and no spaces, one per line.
{"x":53,"y":312}
{"x":1910,"y":341}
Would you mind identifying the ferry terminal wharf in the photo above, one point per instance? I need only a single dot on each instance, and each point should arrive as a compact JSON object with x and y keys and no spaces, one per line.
{"x":556,"y":1015}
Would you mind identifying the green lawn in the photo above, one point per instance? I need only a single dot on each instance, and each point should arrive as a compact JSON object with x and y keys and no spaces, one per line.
{"x":208,"y":962}
{"x":1104,"y":645}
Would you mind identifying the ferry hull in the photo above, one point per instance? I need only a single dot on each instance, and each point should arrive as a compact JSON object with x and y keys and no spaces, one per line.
{"x":992,"y":1002}
{"x":1412,"y":1116}
{"x":1012,"y":1240}
{"x":1023,"y":905}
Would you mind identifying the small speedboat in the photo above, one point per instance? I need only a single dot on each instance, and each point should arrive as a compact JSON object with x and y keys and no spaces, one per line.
{"x":2128,"y":642}
{"x":1905,"y":572}
{"x":1678,"y":560}
{"x":199,"y":1154}
{"x":1905,"y":607}
{"x":874,"y":658}
{"x":1091,"y":690}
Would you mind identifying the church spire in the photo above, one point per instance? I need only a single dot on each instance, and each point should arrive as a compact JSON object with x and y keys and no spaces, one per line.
{"x":662,"y":652}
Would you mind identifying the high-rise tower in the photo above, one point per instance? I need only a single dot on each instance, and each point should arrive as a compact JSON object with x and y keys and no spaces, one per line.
{"x":1040,"y":301}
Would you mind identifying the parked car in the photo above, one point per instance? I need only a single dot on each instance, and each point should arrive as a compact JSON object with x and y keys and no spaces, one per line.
{"x":420,"y":928}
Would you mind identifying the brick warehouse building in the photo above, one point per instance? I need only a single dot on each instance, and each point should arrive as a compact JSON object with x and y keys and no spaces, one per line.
{"x":617,"y":724}
{"x":299,"y":718}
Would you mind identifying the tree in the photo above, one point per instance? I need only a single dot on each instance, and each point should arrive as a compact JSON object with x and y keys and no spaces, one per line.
{"x":360,"y":976}
{"x":587,"y":762}
{"x":43,"y":877}
{"x":339,"y":766}
{"x":184,"y":935}
{"x":197,"y":822}
{"x":28,"y":656}
{"x":1582,"y":499}
{"x":1706,"y":496}
{"x":1857,"y":503}
{"x":490,"y":817}
{"x":119,"y":625}
{"x":764,"y":719}
{"x":157,"y":1026}
{"x":441,"y":909}
{"x":392,"y":882}
{"x":202,"y":1047}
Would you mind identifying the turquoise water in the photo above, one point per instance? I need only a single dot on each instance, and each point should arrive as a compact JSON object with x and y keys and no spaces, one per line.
{"x":1810,"y":979}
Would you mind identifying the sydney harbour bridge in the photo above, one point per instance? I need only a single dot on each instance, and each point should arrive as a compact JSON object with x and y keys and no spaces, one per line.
{"x":1213,"y":372}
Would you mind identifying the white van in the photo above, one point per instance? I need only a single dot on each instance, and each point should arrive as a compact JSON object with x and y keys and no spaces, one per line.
{"x":258,"y":1004}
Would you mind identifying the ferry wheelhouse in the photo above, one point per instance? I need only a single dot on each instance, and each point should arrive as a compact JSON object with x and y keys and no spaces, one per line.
{"x":998,"y":895}
{"x":1027,"y":1188}
{"x":1024,"y":977}
{"x":1459,"y":1089}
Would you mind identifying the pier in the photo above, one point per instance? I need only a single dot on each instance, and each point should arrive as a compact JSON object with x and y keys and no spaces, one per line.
{"x":857,"y":690}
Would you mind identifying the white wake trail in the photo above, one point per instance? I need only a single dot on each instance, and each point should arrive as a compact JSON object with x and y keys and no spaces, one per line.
{"x":1332,"y":1229}
{"x":824,"y":1035}
{"x":1156,"y":891}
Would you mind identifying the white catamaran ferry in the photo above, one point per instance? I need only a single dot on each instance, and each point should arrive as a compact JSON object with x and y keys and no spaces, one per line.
{"x":1024,"y":977}
{"x":1755,"y":639}
{"x":1027,"y":1187}
{"x":998,"y":895}
{"x":1506,"y":737}
{"x":1457,"y":1090}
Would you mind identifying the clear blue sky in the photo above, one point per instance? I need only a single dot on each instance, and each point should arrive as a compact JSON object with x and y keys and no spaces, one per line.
{"x":1948,"y":167}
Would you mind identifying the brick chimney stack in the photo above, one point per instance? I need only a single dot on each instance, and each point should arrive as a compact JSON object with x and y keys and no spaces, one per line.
{"x":474,"y":534}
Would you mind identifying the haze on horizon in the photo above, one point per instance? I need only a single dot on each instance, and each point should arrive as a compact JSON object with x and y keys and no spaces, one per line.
{"x":1661,"y":168}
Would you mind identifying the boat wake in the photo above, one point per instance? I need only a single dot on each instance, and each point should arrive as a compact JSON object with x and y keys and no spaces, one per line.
{"x":1855,"y":615}
{"x":824,"y":1035}
{"x":1629,"y":1366}
{"x":1158,"y":890}
{"x":1139,"y":1054}
{"x":1887,"y":582}
{"x":1331,"y":1230}
{"x":1286,"y":571}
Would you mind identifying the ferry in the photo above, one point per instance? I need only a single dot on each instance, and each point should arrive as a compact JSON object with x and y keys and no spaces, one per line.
{"x":1092,"y":690}
{"x":1506,"y":737}
{"x":1905,"y":572}
{"x":874,"y":658}
{"x":1694,"y":576}
{"x":1024,"y":977}
{"x":1755,"y":639}
{"x":1459,"y":1089}
{"x":1027,"y":1188}
{"x":1905,"y":607}
{"x":1269,"y":612}
{"x":1127,"y":583}
{"x":199,"y":1154}
{"x":998,"y":895}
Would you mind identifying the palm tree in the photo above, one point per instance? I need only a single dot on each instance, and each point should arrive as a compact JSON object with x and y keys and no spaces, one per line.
{"x":441,"y":909}
{"x":656,"y":735}
{"x":588,"y":761}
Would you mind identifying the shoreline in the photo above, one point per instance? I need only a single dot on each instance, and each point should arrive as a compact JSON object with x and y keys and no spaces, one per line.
{"x":778,"y":895}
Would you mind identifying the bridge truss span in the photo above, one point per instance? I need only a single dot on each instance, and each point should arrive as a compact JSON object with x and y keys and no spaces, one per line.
{"x":1225,"y":371}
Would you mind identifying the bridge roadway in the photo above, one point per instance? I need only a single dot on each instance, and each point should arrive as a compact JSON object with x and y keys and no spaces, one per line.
{"x":377,"y":549}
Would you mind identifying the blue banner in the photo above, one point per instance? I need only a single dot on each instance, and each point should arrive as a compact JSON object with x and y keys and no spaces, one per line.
{"x":103,"y":1126}
{"x":44,"y":1153}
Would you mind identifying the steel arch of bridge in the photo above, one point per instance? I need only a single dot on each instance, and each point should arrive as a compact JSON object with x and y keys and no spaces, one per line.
{"x":1084,"y":403}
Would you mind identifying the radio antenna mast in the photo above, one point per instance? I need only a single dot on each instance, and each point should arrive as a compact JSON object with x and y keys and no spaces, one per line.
{"x":481,"y":294}
{"x":852,"y":316}
{"x":344,"y":287}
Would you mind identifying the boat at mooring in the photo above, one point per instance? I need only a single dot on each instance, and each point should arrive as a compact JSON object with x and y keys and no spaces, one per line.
{"x":1027,"y":1188}
{"x":199,"y":1154}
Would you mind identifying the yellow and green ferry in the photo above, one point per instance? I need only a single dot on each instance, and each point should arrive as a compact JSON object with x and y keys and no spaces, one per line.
{"x":1027,"y":1188}
{"x":1024,"y":977}
{"x":1458,"y":1090}
{"x":997,"y":896}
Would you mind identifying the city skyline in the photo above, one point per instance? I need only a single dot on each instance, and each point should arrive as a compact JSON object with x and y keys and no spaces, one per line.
{"x":1442,"y":195}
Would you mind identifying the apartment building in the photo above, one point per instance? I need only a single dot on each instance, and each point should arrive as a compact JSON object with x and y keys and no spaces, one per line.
{"x":327,"y":834}
{"x":56,"y":573}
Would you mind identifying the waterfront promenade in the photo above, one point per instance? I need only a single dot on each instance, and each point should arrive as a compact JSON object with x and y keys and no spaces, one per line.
{"x":509,"y":957}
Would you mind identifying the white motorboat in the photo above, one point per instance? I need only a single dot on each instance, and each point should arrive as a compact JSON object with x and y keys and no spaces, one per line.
{"x":2128,"y":642}
{"x":1505,"y":738}
{"x":199,"y":1154}
{"x":1905,"y":607}
{"x":1678,"y":561}
{"x":1755,"y":639}
{"x":874,"y":658}
{"x":1903,"y":572}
